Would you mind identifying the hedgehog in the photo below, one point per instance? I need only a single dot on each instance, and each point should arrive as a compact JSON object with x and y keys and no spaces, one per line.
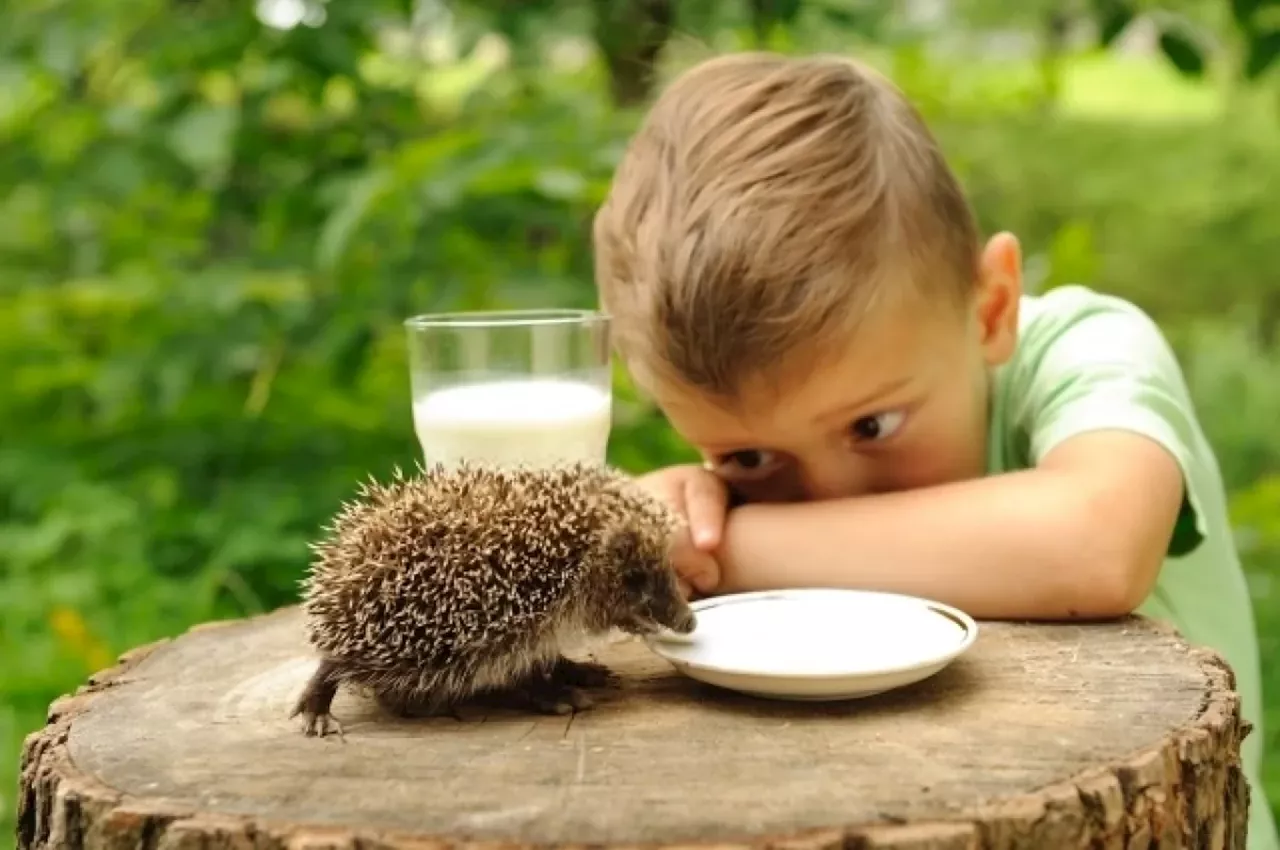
{"x":472,"y":579}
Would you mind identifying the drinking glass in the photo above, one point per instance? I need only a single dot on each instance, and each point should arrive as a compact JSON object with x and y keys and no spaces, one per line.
{"x":511,"y":386}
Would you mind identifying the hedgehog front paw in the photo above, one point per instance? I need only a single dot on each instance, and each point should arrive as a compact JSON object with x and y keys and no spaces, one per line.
{"x":558,"y":689}
{"x":581,"y":674}
{"x":550,"y":698}
{"x":547,"y":692}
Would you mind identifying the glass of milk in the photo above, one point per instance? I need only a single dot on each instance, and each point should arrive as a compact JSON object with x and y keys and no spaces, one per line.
{"x":511,"y":387}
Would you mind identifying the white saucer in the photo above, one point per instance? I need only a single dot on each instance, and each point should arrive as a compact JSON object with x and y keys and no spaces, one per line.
{"x":817,"y":644}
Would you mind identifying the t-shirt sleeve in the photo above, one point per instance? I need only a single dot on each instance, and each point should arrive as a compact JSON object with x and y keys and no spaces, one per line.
{"x":1100,"y":363}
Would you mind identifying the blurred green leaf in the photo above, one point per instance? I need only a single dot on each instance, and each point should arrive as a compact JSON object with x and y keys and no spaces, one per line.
{"x":1183,"y":52}
{"x":1261,"y":54}
{"x":1113,"y":17}
{"x":203,"y":138}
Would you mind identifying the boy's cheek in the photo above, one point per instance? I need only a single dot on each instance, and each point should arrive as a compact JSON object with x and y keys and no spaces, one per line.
{"x":946,"y":459}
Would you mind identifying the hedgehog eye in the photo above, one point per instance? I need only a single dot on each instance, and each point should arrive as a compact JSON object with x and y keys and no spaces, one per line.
{"x":635,"y":580}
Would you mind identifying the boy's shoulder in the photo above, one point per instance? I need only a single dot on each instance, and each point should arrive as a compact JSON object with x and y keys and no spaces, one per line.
{"x":1106,"y":326}
{"x":1073,"y":338}
{"x":1087,"y":361}
{"x":1073,"y":298}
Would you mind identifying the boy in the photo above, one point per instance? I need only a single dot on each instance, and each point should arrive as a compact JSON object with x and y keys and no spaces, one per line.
{"x":797,"y":280}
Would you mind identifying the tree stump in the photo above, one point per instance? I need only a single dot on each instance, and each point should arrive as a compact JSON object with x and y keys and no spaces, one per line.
{"x":1114,"y":735}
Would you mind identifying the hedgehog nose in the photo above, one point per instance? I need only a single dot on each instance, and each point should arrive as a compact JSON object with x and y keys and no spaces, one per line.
{"x":685,"y":621}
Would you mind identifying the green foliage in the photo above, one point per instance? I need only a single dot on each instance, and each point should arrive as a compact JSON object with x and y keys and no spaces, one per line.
{"x":1168,"y":214}
{"x":1113,"y":17}
{"x":1263,"y":51}
{"x":1259,"y":22}
{"x":1182,"y":51}
{"x":214,"y":229}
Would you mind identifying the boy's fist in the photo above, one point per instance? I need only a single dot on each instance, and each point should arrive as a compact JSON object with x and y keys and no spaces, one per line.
{"x":702,"y":500}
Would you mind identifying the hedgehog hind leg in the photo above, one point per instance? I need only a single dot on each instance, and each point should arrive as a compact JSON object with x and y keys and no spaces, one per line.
{"x":316,"y":701}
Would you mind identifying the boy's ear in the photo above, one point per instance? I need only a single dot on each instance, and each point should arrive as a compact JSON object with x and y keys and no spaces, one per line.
{"x":997,"y":297}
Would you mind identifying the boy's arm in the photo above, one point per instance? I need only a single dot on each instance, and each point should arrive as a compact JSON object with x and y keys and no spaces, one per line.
{"x":1081,"y":535}
{"x":1114,"y":487}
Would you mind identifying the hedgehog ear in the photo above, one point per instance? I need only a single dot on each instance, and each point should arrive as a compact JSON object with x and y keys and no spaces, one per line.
{"x":623,"y":544}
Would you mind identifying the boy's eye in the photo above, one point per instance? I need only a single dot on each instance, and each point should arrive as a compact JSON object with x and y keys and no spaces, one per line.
{"x":749,"y":463}
{"x":877,"y":427}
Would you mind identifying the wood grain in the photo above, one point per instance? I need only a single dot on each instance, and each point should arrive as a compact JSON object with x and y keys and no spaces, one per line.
{"x":1103,"y":735}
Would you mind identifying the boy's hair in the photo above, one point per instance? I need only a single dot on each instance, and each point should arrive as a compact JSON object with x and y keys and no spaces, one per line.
{"x":761,"y":208}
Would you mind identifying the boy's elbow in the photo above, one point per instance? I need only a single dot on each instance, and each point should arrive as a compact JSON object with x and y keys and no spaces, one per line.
{"x":1121,"y":589}
{"x":1108,"y":588}
{"x":1120,"y":567}
{"x":1120,"y":498}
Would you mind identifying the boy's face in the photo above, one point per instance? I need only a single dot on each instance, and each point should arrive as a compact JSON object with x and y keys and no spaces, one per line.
{"x":904,"y":405}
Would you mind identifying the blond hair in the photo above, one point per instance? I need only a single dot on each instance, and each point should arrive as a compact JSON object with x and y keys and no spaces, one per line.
{"x":762,"y":207}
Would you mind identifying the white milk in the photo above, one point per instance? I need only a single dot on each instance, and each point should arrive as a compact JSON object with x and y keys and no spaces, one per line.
{"x":532,"y":421}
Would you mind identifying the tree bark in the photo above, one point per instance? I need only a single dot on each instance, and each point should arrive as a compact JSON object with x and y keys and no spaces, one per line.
{"x":1041,"y":736}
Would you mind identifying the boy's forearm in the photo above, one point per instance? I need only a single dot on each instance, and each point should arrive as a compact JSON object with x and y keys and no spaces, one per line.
{"x":1022,"y":545}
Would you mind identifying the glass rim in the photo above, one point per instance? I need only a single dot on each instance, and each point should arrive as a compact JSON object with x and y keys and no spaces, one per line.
{"x":507,"y":318}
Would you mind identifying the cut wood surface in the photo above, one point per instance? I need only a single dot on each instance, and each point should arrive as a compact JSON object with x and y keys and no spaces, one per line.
{"x":1042,"y":736}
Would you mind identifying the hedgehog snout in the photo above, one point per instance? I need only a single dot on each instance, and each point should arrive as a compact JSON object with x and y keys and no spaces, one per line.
{"x":681,"y":621}
{"x":671,"y":611}
{"x":655,"y":609}
{"x":685,"y":621}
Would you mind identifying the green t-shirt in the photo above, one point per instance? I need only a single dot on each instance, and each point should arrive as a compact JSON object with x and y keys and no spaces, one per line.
{"x":1087,"y":361}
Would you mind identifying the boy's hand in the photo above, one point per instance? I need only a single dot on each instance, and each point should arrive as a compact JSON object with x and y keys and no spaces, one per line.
{"x":702,"y":500}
